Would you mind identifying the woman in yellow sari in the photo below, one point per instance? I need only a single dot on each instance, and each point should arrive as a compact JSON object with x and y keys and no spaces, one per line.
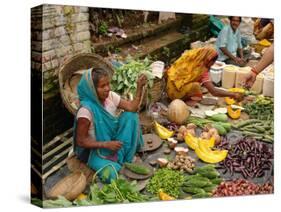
{"x":190,"y":71}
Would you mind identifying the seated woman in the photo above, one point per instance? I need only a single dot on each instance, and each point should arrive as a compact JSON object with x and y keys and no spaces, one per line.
{"x":189,"y":72}
{"x":263,"y":28}
{"x":101,"y":139}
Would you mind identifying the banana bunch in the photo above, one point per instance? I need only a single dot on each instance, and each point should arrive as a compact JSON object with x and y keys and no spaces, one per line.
{"x":203,"y":149}
{"x":162,"y":132}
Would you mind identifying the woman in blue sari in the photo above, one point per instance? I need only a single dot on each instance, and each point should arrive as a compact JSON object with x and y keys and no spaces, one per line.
{"x":101,"y":139}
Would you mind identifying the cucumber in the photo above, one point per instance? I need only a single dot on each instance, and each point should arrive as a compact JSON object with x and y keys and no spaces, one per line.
{"x":192,"y":190}
{"x":199,"y":183}
{"x":220,"y":128}
{"x":227,"y":126}
{"x":219,"y":117}
{"x":216,"y":181}
{"x":209,"y":188}
{"x":201,"y":195}
{"x":138,"y":169}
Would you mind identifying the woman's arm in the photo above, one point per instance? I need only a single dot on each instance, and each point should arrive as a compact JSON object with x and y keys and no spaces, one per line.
{"x":133,"y":105}
{"x":222,"y":93}
{"x":84,"y":140}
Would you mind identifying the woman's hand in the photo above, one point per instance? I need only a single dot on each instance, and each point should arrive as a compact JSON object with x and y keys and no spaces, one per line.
{"x":142,"y":80}
{"x":250,"y":80}
{"x":238,"y":96}
{"x":113,"y":145}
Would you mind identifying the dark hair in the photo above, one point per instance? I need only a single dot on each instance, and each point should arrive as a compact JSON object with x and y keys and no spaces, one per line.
{"x":230,"y":18}
{"x":97,"y":74}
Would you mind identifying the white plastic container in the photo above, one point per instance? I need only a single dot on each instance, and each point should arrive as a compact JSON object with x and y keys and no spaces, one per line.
{"x":158,"y":68}
{"x":229,"y":76}
{"x":241,"y":76}
{"x":258,"y":85}
{"x":216,"y":71}
{"x":268,"y":86}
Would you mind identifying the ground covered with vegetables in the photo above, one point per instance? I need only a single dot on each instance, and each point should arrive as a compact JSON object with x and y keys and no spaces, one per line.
{"x":225,"y":151}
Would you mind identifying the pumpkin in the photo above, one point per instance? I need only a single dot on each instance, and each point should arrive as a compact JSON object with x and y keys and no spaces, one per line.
{"x":178,"y":112}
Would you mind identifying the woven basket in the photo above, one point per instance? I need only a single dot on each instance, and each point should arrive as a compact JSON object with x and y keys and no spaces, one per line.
{"x":155,"y":93}
{"x":69,"y":187}
{"x":71,"y":72}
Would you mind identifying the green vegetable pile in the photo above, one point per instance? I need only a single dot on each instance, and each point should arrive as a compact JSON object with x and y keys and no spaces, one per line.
{"x":124,"y":79}
{"x":118,"y":191}
{"x":168,"y":180}
{"x":218,"y":121}
{"x":201,"y":184}
{"x":136,"y":168}
{"x":262,"y":108}
{"x":260,"y":130}
{"x":59,"y":202}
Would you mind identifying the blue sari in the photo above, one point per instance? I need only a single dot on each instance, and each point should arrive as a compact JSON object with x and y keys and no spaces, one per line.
{"x":124,"y":128}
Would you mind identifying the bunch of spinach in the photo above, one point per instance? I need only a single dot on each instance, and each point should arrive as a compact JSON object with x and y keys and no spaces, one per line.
{"x":118,"y":191}
{"x":124,"y":79}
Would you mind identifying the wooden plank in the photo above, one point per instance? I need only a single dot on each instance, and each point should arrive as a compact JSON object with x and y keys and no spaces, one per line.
{"x":55,"y":140}
{"x":69,"y":141}
{"x":58,"y":138}
{"x":53,"y":169}
{"x":36,"y":152}
{"x":56,"y":157}
{"x":36,"y":171}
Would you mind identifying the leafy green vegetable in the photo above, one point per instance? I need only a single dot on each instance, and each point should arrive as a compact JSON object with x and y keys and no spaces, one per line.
{"x":124,"y":79}
{"x":118,"y":191}
{"x":59,"y":202}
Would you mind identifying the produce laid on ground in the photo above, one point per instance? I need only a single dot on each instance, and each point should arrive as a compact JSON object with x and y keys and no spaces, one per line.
{"x":183,"y":163}
{"x":166,"y":180}
{"x":262,"y":108}
{"x":258,"y":129}
{"x":241,"y":187}
{"x":201,"y":184}
{"x":247,"y":156}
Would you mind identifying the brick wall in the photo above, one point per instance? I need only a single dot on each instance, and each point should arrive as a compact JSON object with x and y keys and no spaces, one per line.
{"x":57,"y":33}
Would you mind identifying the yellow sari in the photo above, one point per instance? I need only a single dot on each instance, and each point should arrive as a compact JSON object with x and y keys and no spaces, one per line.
{"x":184,"y":74}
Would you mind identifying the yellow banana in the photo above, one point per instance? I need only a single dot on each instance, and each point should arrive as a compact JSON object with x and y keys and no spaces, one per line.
{"x":163,"y":132}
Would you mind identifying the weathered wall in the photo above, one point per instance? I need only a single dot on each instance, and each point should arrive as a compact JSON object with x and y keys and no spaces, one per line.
{"x":58,"y":32}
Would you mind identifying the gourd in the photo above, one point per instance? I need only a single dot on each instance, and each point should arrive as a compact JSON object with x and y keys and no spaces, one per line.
{"x":178,"y":112}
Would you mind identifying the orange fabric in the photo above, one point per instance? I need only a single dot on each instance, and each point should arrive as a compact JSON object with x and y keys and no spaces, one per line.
{"x":185,"y":74}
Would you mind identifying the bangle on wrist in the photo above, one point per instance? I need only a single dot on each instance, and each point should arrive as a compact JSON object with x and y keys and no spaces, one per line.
{"x":254,"y":71}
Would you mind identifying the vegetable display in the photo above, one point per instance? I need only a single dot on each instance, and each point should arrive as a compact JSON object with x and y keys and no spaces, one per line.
{"x":137,"y":168}
{"x":118,"y":191}
{"x":260,"y":130}
{"x":163,"y":132}
{"x":168,"y":180}
{"x":248,"y":157}
{"x":220,"y":124}
{"x":178,"y":111}
{"x":241,"y":187}
{"x":201,"y":184}
{"x":262,"y":108}
{"x":182,"y":163}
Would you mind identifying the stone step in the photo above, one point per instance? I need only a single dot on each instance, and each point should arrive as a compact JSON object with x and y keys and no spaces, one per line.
{"x":137,"y":34}
{"x":166,"y":45}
